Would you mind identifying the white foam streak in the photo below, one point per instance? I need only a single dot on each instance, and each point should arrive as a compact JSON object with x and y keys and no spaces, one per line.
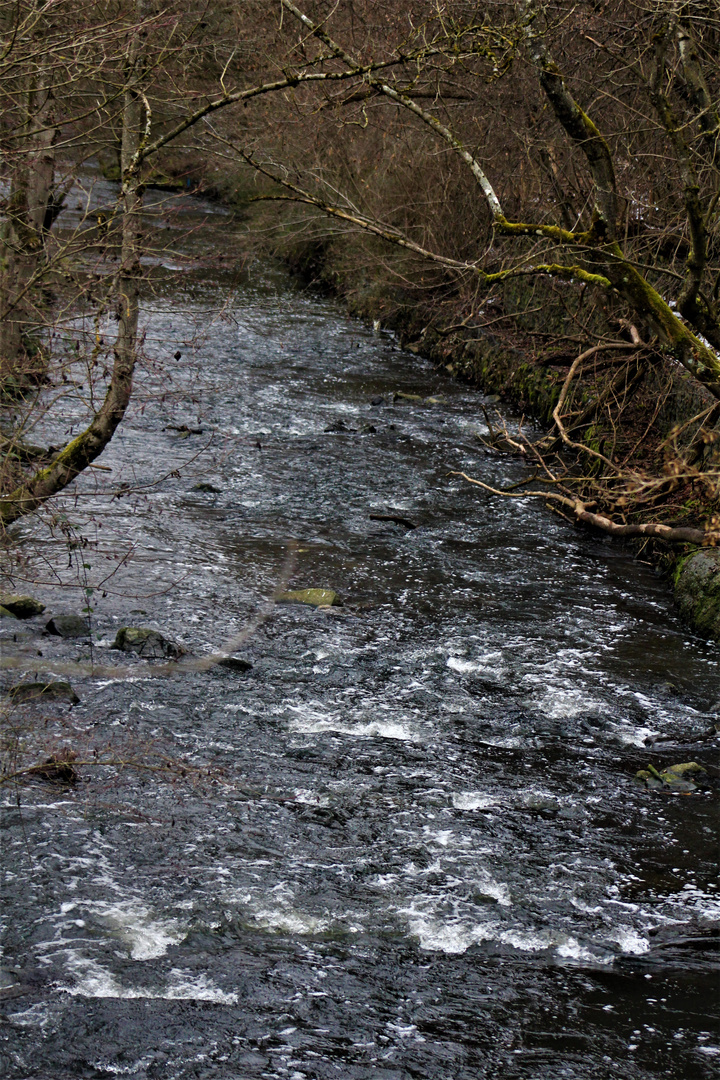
{"x":95,"y":981}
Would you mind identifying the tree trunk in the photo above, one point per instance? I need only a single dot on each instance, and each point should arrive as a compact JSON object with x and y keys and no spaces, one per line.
{"x":78,"y":453}
{"x":23,"y":234}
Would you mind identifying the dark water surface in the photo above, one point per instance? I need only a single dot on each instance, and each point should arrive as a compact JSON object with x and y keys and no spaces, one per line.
{"x":408,"y":843}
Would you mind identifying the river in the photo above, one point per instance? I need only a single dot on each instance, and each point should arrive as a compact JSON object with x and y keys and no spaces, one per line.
{"x":408,"y":843}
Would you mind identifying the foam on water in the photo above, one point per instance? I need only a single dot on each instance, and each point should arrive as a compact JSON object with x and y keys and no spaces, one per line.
{"x":311,"y":722}
{"x":491,"y":663}
{"x":473,"y":800}
{"x":92,"y":980}
{"x":564,"y":703}
{"x":146,"y":937}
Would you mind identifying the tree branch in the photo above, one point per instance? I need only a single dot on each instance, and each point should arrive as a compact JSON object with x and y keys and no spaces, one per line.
{"x":680,"y":535}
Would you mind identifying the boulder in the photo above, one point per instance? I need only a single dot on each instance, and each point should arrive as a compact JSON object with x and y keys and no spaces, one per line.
{"x":5,"y":613}
{"x":43,"y":691}
{"x":685,"y":768}
{"x":68,"y":626}
{"x":314,"y":597}
{"x":147,"y":643}
{"x":209,"y":488}
{"x":697,"y":590}
{"x":22,"y":607}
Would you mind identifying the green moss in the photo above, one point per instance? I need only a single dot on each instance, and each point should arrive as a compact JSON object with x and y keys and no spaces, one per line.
{"x":678,"y":568}
{"x":697,"y":590}
{"x":312,"y":597}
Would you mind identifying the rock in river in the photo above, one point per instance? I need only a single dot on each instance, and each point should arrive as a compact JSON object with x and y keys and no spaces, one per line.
{"x":5,"y":613}
{"x":675,"y":778}
{"x":314,"y":597}
{"x":400,"y":395}
{"x":235,"y":663}
{"x":43,"y":691}
{"x":148,"y":643}
{"x":22,"y":607}
{"x":68,"y":626}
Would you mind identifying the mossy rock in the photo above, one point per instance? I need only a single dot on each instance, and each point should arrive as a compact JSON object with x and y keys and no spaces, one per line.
{"x":68,"y":626}
{"x":6,"y":613}
{"x":147,"y":643}
{"x":400,"y":395}
{"x":22,"y":693}
{"x":22,"y":607}
{"x":110,"y":167}
{"x":675,"y":778}
{"x":697,"y":590}
{"x":685,"y":768}
{"x":164,"y":182}
{"x":313,"y":597}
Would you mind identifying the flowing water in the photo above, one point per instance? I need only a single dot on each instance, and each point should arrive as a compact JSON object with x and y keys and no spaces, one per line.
{"x":408,"y":843}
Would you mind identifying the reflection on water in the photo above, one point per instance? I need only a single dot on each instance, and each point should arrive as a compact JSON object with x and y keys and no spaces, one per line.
{"x":408,"y":843}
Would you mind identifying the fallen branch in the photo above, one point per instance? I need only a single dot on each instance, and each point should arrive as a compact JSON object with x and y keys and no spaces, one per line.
{"x":672,"y":534}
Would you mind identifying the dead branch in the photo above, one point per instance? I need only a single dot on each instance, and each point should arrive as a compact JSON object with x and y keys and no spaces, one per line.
{"x":574,"y":368}
{"x":669,"y":533}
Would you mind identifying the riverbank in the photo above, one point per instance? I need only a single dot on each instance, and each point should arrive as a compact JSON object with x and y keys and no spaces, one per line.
{"x":511,"y":367}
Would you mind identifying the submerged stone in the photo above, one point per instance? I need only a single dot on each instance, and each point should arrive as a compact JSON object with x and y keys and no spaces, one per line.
{"x":337,"y":427}
{"x":402,"y":396}
{"x":147,"y":643}
{"x":68,"y":626}
{"x":235,"y":663}
{"x":314,"y":597}
{"x":22,"y":607}
{"x":43,"y":691}
{"x":209,"y":488}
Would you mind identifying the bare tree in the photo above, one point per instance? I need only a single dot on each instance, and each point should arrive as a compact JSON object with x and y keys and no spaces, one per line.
{"x":580,"y":141}
{"x":132,"y":70}
{"x":588,"y":134}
